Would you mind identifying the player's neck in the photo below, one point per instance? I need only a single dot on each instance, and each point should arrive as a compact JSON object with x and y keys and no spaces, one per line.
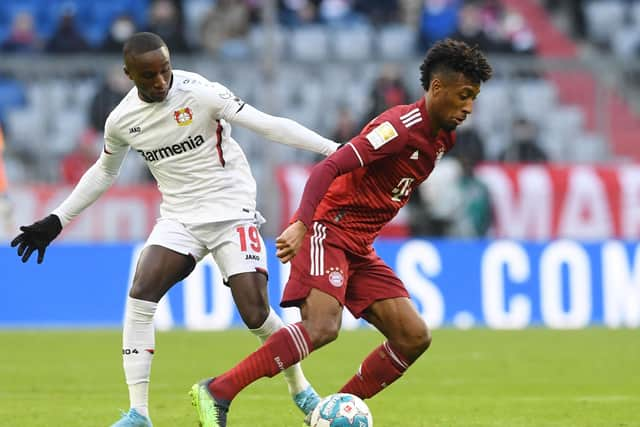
{"x":434,"y":126}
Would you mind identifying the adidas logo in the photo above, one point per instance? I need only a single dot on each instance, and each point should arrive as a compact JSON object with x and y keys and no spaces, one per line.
{"x":414,"y":156}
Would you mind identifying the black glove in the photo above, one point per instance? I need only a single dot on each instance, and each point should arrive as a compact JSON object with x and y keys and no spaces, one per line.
{"x":37,"y":236}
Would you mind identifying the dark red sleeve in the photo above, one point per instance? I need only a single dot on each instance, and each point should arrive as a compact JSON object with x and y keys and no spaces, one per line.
{"x":360,"y":151}
{"x":322,"y":175}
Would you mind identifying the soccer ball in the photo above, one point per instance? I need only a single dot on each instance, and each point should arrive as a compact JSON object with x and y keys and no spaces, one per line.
{"x":341,"y":410}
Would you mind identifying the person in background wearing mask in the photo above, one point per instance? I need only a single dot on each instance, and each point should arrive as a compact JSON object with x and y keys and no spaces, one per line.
{"x":121,"y":29}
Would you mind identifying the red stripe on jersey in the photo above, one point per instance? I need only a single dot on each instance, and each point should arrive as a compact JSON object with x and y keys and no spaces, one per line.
{"x":219,"y":143}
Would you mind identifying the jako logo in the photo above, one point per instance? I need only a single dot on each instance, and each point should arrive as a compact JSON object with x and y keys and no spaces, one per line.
{"x":171,"y":150}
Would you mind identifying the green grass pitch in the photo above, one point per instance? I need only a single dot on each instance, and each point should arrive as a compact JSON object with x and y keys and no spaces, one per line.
{"x":530,"y":378}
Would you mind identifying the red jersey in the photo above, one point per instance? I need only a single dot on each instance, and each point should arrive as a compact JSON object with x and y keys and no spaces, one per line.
{"x":373,"y":176}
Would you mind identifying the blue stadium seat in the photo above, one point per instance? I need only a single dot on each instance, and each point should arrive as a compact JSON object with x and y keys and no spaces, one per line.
{"x":12,"y":95}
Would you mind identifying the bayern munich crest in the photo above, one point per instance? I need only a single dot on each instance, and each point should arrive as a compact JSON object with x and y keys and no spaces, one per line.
{"x":336,"y":277}
{"x":183,"y":116}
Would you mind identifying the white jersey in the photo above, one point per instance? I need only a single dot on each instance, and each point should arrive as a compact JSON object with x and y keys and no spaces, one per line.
{"x":186,"y":141}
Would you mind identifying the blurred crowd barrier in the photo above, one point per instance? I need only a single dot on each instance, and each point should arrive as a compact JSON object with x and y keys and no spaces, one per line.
{"x":500,"y":284}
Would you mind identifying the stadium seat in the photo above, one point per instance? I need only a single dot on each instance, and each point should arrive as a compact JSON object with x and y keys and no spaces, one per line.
{"x":588,"y":148}
{"x":560,"y":131}
{"x":603,"y":17}
{"x":352,"y":43}
{"x":12,"y":95}
{"x":66,"y":128}
{"x":635,"y":13}
{"x":626,"y":40}
{"x":396,"y":42}
{"x":26,"y":128}
{"x":194,"y":12}
{"x":272,"y":41}
{"x":309,"y":44}
{"x":534,"y":99}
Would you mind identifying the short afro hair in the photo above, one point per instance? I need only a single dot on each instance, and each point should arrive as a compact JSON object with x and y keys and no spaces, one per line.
{"x":140,"y":43}
{"x":454,"y":56}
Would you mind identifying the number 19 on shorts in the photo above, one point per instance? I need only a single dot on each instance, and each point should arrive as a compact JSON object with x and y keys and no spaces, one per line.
{"x":249,"y":238}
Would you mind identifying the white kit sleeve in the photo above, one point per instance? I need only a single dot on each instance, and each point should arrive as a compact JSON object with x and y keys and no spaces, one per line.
{"x":225,"y":105}
{"x":95,"y":181}
{"x":282,"y":130}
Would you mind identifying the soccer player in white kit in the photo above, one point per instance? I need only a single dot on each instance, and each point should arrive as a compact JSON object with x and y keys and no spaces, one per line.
{"x":179,"y":122}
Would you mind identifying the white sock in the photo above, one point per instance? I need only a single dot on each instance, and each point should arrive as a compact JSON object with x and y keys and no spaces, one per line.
{"x":293,"y":374}
{"x":138,"y":346}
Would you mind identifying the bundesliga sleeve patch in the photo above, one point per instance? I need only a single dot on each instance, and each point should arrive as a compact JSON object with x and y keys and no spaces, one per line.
{"x":381,"y":135}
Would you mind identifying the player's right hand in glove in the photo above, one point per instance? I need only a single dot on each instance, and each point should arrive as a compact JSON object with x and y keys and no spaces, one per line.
{"x":37,"y":236}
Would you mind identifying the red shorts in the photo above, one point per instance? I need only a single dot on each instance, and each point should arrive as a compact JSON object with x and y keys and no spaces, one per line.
{"x":355,"y":280}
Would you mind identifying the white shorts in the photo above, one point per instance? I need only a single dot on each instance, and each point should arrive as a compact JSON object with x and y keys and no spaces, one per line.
{"x":236,"y":245}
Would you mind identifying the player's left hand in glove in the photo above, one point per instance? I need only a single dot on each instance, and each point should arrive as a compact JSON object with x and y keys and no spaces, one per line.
{"x":37,"y":236}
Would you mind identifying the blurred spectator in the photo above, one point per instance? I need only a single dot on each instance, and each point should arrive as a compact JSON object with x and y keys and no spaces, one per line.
{"x":437,"y":201}
{"x":380,"y":12}
{"x":226,"y":27}
{"x":22,"y":37}
{"x":292,"y":13}
{"x":519,"y":36}
{"x":453,"y":202}
{"x":469,"y":151}
{"x":477,"y":213}
{"x":471,"y":30}
{"x":76,"y":163}
{"x":578,"y":20}
{"x":7,"y":226}
{"x":166,"y":21}
{"x":113,"y":89}
{"x":469,"y":146}
{"x":524,"y":147}
{"x":574,"y":9}
{"x":67,"y":38}
{"x":339,"y":13}
{"x":346,"y":126}
{"x":388,"y":90}
{"x":120,"y":30}
{"x":438,"y":20}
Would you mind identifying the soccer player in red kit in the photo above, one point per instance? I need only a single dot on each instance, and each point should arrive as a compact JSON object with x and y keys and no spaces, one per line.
{"x":347,"y":200}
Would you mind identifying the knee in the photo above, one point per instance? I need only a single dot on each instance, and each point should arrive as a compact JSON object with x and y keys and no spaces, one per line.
{"x":146,"y":286}
{"x":414,"y":341}
{"x":255,"y":317}
{"x":322,"y":331}
{"x":141,"y":289}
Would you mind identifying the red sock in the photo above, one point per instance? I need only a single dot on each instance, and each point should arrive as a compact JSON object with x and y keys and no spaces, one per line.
{"x":284,"y":348}
{"x":381,"y":367}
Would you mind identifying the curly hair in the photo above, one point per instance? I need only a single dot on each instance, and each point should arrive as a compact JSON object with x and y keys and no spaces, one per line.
{"x":454,"y":56}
